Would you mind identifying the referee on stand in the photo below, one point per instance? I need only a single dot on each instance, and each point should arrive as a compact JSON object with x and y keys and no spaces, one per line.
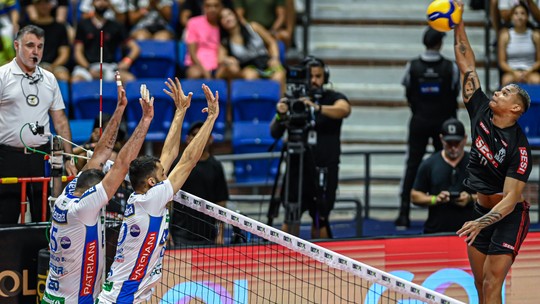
{"x":28,"y":94}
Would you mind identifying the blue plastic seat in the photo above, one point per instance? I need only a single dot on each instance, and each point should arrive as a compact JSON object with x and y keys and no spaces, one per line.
{"x":81,"y":130}
{"x":85,"y":98}
{"x":198,"y":102}
{"x":254,"y":137}
{"x":164,"y":108}
{"x":156,"y":60}
{"x":254,"y":100}
{"x":64,"y":90}
{"x":530,"y":121}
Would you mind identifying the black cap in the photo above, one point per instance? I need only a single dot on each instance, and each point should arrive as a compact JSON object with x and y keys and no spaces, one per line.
{"x":453,"y":130}
{"x":432,"y":37}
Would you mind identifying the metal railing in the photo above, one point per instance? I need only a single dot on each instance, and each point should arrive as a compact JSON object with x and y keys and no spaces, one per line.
{"x":367,"y":177}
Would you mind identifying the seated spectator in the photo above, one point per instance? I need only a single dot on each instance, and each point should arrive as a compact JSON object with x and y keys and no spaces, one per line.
{"x":519,"y":50}
{"x":57,"y":49}
{"x":247,"y":50}
{"x":501,"y":12}
{"x":150,"y":19}
{"x":117,"y":11}
{"x":9,"y":26}
{"x":193,"y":8}
{"x":59,"y":11}
{"x":439,"y":183}
{"x":87,"y":47}
{"x":271,"y":14}
{"x":202,"y":38}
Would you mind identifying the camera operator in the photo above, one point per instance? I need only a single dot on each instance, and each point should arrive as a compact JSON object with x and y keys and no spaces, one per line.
{"x":439,"y":183}
{"x":320,"y":135}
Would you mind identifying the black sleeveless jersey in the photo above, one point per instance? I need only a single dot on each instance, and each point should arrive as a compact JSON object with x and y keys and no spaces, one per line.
{"x":495,"y":153}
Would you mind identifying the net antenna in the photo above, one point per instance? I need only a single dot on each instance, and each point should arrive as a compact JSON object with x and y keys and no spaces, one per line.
{"x":100,"y":82}
{"x":342,"y":275}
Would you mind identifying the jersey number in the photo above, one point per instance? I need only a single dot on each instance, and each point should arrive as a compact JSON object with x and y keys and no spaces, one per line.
{"x":54,"y":243}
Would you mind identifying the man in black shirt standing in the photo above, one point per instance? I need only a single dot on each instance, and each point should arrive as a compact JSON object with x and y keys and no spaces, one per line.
{"x":321,"y":156}
{"x":439,"y":182}
{"x":431,"y":85}
{"x":499,"y":167}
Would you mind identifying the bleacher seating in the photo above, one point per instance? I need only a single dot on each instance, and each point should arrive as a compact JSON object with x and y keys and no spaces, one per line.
{"x":156,"y":60}
{"x":530,"y":121}
{"x":254,"y":137}
{"x":198,"y":102}
{"x":254,"y":100}
{"x":85,"y":98}
{"x":81,"y":130}
{"x":64,"y":90}
{"x":164,"y":108}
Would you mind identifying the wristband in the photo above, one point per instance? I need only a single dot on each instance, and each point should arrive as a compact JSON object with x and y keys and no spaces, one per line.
{"x":433,"y":200}
{"x":127,"y":60}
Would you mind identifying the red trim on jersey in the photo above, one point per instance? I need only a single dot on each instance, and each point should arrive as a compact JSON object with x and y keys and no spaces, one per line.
{"x":523,"y":227}
{"x":89,"y":271}
{"x":144,"y":257}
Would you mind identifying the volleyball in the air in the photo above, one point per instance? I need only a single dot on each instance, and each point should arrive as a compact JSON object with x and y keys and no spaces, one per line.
{"x":443,"y":15}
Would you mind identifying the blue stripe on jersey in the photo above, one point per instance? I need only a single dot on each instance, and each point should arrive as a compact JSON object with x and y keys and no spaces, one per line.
{"x":89,"y":266}
{"x":138,"y":272}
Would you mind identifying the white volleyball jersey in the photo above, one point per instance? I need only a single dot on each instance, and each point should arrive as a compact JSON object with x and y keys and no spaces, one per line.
{"x":141,"y":246}
{"x":77,"y":248}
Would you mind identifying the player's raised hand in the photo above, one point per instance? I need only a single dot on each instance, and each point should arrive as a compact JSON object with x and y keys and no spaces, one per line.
{"x":147,"y":102}
{"x":213,"y":102}
{"x":177,"y":94}
{"x":122,"y":99}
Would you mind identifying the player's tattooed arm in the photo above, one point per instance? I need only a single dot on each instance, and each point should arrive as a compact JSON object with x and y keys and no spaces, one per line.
{"x":470,"y":84}
{"x":490,"y":218}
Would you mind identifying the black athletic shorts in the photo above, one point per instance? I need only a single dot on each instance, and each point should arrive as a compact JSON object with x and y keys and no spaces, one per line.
{"x":505,"y":236}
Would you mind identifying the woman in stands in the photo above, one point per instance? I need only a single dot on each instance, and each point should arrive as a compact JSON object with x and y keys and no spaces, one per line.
{"x":247,"y":50}
{"x":519,"y":49}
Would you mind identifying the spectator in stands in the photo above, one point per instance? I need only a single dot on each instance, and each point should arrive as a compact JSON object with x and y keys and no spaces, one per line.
{"x":322,"y":153}
{"x":87,"y":47}
{"x":247,"y":50}
{"x":150,"y":19}
{"x":117,"y":11}
{"x":501,"y":12}
{"x":59,"y":11}
{"x":57,"y":49}
{"x":207,"y":181}
{"x":202,"y":39}
{"x":270,"y":14}
{"x":193,"y":8}
{"x":519,"y":50}
{"x":29,"y":94}
{"x":9,"y":25}
{"x":431,"y":85}
{"x":439,"y":183}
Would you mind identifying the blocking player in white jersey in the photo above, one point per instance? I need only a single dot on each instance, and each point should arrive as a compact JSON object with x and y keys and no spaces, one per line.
{"x":141,"y":244}
{"x":76,"y":235}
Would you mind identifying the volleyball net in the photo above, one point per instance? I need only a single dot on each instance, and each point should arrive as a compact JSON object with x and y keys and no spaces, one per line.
{"x":270,"y":266}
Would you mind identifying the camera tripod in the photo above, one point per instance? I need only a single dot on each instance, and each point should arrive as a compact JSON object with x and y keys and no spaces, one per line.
{"x":294,"y":154}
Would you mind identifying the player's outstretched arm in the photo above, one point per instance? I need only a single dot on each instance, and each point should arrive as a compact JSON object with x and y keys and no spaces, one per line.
{"x":131,"y":149}
{"x":105,"y":145}
{"x":465,"y":59}
{"x":194,"y":150}
{"x":172,"y":142}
